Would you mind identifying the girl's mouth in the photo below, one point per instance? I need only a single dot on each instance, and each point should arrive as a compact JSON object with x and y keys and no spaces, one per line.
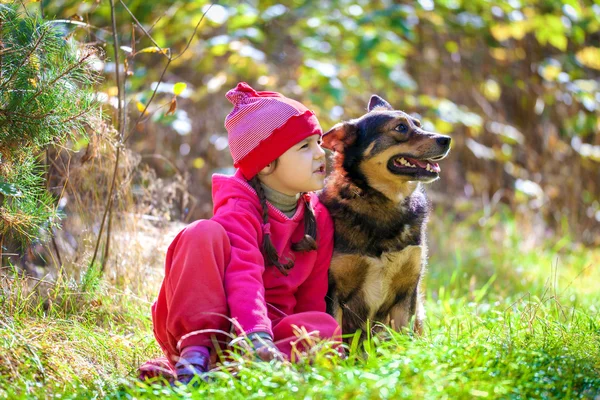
{"x":320,"y":170}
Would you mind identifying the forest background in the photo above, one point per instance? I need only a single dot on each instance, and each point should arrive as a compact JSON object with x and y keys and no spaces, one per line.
{"x":516,"y":212}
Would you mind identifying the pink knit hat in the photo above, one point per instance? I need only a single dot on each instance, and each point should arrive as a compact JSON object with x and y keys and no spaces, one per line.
{"x":264,"y":125}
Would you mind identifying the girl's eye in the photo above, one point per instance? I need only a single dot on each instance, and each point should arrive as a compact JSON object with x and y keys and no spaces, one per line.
{"x":304,"y":146}
{"x":402,"y":128}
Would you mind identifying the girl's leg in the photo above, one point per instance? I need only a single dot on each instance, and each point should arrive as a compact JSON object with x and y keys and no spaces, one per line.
{"x":317,"y":324}
{"x":191,"y":307}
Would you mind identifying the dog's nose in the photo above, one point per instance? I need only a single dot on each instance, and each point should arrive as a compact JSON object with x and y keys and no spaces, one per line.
{"x":444,"y":141}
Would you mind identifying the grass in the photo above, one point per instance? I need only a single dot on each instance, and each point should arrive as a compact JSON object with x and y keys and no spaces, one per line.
{"x":507,"y":317}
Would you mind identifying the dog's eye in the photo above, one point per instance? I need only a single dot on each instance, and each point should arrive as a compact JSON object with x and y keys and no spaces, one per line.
{"x":402,"y":128}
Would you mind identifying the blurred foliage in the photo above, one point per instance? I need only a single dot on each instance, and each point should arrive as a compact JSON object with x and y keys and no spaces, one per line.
{"x":46,"y":95}
{"x":515,"y":83}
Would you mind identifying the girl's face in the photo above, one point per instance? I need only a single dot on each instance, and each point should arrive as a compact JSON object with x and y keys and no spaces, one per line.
{"x":300,"y":169}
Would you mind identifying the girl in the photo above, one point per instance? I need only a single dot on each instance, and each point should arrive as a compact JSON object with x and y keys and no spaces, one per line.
{"x":262,"y":260}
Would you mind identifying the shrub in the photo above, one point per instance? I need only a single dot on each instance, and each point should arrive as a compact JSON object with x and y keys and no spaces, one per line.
{"x":46,"y":96}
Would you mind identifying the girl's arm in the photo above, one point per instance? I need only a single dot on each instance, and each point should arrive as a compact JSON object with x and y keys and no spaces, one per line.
{"x":243,"y":280}
{"x":311,"y":293}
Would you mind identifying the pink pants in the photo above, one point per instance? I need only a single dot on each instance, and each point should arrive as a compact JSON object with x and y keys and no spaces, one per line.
{"x":192,"y":299}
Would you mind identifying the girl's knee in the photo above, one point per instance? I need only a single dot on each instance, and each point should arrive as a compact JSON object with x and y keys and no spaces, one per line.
{"x":205,"y":233}
{"x":200,"y":247}
{"x":205,"y":228}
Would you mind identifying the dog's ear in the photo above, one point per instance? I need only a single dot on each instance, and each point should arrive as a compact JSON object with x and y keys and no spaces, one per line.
{"x":378,"y":102}
{"x":341,"y":135}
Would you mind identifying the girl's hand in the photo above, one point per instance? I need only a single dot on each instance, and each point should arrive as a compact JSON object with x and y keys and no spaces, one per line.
{"x":264,"y":347}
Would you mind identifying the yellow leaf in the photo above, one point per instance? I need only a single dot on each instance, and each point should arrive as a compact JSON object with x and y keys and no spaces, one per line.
{"x":515,"y":30}
{"x":178,"y":88}
{"x":435,"y":19}
{"x":443,"y":126}
{"x":113,"y":91}
{"x":550,"y":72}
{"x":199,"y":163}
{"x":518,"y":29}
{"x":500,"y":32}
{"x":499,"y":54}
{"x":559,"y":41}
{"x":140,"y":106}
{"x":491,"y":90}
{"x":153,"y":49}
{"x":452,"y":47}
{"x":589,"y":57}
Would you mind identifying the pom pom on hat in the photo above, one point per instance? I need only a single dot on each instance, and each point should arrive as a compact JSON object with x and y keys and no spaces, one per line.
{"x":264,"y":125}
{"x":243,"y":90}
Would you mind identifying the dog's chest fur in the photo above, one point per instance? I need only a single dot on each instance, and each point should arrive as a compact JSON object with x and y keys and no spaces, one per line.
{"x":379,"y":281}
{"x":378,"y":258}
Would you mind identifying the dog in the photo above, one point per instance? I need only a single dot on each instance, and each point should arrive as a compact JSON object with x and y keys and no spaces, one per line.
{"x":376,"y":199}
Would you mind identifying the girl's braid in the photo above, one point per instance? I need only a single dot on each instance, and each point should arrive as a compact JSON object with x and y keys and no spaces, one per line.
{"x":272,"y":258}
{"x":308,"y":243}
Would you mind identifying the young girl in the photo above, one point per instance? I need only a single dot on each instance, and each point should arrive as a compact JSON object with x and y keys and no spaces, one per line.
{"x":262,"y":259}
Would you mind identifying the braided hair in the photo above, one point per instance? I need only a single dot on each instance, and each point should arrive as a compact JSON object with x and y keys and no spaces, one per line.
{"x":307,"y":243}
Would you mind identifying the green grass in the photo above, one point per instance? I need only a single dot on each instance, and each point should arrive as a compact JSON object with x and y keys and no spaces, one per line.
{"x":507,"y":317}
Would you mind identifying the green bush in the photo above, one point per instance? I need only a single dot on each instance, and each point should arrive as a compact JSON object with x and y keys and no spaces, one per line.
{"x":46,"y":96}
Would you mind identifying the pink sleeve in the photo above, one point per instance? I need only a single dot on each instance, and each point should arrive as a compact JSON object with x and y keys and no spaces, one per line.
{"x":311,"y":293}
{"x":244,"y":285}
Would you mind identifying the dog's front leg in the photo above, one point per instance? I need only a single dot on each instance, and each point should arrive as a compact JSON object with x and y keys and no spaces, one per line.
{"x":402,"y":312}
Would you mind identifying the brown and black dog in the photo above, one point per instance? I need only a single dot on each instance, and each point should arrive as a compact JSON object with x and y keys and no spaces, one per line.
{"x":379,"y":208}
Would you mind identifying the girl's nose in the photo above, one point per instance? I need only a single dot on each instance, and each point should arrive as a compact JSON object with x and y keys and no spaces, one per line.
{"x":320,"y":153}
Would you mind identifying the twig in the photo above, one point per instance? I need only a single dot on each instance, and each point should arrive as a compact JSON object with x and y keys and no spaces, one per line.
{"x":110,"y":214}
{"x":161,"y":157}
{"x":170,"y":59}
{"x":120,"y":126}
{"x":25,"y":8}
{"x":56,"y":250}
{"x":26,"y":117}
{"x":121,"y":111}
{"x":107,"y":245}
{"x":152,"y":26}
{"x":1,"y":240}
{"x":85,"y":110}
{"x":137,"y":121}
{"x":48,"y":169}
{"x":143,"y":29}
{"x":33,"y":278}
{"x":194,"y":34}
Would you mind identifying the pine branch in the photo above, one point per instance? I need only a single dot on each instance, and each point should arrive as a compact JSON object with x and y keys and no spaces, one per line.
{"x":46,"y":97}
{"x":25,"y":59}
{"x":51,"y":83}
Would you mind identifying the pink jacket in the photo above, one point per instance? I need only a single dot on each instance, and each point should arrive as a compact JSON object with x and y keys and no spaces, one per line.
{"x":259,"y":296}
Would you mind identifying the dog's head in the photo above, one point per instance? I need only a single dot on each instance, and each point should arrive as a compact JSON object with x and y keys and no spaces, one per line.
{"x":386,"y":147}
